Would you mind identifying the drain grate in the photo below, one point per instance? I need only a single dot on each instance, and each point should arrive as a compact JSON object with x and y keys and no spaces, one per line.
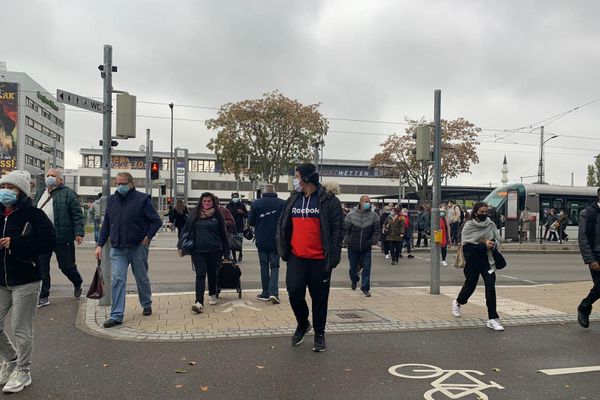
{"x":353,"y":316}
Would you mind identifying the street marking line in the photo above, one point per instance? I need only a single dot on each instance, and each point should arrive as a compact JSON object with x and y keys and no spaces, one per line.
{"x":565,"y":371}
{"x":519,"y":279}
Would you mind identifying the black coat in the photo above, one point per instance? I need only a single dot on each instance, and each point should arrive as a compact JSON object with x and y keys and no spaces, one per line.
{"x":476,"y":255}
{"x":332,"y":232}
{"x":589,"y":233}
{"x":19,"y":263}
{"x":264,"y":214}
{"x":237,"y":216}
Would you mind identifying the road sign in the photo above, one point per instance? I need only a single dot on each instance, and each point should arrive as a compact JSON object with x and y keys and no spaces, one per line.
{"x":76,"y":100}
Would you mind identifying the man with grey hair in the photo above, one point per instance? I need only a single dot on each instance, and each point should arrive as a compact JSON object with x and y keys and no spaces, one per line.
{"x":131,"y":222}
{"x":264,"y":215}
{"x":62,"y":207}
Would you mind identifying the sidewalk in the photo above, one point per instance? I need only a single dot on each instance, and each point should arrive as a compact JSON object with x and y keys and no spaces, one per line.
{"x":390,"y":309}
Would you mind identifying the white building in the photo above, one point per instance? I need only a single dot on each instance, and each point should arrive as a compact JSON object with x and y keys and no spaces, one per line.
{"x":355,"y":177}
{"x":38,"y":132}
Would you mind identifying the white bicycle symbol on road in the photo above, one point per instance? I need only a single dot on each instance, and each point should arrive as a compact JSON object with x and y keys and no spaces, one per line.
{"x":450,"y":390}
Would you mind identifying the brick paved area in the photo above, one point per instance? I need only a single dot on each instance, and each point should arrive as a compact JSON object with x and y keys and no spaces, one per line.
{"x":390,"y":309}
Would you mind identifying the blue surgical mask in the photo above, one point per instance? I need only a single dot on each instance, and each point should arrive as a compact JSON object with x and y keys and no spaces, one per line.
{"x":235,"y":200}
{"x":366,"y":206}
{"x":297,"y":186}
{"x":123,"y":189}
{"x":8,"y":197}
{"x":442,"y":214}
{"x":50,"y":181}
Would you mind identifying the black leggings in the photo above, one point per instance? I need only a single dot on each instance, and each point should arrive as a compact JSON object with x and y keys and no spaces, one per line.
{"x":206,"y":264}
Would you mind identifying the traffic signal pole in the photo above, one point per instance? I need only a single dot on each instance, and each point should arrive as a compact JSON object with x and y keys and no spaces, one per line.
{"x":437,"y":194}
{"x":148,"y":164}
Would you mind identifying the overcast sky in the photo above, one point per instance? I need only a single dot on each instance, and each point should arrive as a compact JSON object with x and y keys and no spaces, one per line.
{"x":501,"y":65}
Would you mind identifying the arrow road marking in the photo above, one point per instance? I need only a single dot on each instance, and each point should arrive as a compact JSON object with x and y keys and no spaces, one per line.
{"x":238,"y":304}
{"x":565,"y":371}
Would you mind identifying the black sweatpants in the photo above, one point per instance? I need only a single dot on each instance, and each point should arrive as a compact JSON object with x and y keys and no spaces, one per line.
{"x":472,"y":273}
{"x":206,"y":264}
{"x":594,"y":293}
{"x":302,"y":272}
{"x":65,"y":256}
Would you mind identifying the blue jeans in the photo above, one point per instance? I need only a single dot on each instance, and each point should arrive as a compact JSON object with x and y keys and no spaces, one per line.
{"x":96,"y":230}
{"x":364,"y":258}
{"x":121,"y":258}
{"x":269,"y":273}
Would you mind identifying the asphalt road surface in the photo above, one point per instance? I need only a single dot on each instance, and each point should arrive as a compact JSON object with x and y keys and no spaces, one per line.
{"x":69,"y":364}
{"x":170,"y":273}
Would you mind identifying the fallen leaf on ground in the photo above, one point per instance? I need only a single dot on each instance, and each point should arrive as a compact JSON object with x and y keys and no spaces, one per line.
{"x":192,"y":363}
{"x":181,"y":371}
{"x":204,"y":388}
{"x":496,"y":369}
{"x":347,"y":370}
{"x":567,"y":386}
{"x":105,"y":365}
{"x":178,"y":386}
{"x":272,"y":347}
{"x":260,"y":366}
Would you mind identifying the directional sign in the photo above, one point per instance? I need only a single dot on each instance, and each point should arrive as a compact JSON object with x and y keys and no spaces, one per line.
{"x":79,"y":101}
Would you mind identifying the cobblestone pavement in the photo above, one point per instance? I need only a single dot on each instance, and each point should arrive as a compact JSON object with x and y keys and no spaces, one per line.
{"x":389,"y":309}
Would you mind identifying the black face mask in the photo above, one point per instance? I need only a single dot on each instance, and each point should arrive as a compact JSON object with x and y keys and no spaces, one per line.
{"x":481,"y":217}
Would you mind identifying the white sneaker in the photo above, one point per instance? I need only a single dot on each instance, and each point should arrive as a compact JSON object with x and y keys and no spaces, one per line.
{"x":5,"y":370}
{"x":212,"y":300}
{"x":495,"y":325}
{"x":455,"y":308}
{"x":197,"y":307}
{"x":444,"y":264}
{"x":19,"y":380}
{"x":387,"y":256}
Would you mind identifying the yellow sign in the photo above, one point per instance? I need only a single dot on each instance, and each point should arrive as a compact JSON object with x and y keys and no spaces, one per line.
{"x":437,"y":236}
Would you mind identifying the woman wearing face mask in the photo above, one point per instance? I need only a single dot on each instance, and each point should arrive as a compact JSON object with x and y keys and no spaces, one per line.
{"x":479,"y":238}
{"x":445,"y":235}
{"x":26,"y":233}
{"x":210,"y":247}
{"x":395,"y":233}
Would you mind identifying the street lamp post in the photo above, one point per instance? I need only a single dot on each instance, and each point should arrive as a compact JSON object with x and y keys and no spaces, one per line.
{"x":541,"y":172}
{"x":172,"y":162}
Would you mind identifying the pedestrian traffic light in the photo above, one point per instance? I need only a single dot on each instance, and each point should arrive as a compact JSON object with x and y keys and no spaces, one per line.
{"x":154,"y":170}
{"x":423,"y":140}
{"x":169,"y":200}
{"x":163,"y":190}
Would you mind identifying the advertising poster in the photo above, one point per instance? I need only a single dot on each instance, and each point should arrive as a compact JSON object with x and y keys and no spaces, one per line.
{"x":9,"y":106}
{"x":512,"y":204}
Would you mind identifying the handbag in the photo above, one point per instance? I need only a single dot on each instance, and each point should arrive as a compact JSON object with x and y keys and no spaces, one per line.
{"x":185,"y":244}
{"x":499,"y":259}
{"x":459,"y":258}
{"x":235,"y":243}
{"x":96,"y":290}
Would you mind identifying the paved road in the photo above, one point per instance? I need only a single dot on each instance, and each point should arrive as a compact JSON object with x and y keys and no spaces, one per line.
{"x":69,"y":364}
{"x":170,"y":273}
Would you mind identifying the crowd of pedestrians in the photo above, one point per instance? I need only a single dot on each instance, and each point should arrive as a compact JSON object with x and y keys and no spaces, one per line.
{"x":307,"y":232}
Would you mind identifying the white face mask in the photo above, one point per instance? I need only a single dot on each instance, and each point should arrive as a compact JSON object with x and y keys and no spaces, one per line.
{"x":297,"y":186}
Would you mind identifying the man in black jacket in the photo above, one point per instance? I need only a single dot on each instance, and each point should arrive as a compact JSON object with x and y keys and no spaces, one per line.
{"x":309,"y":239}
{"x":264,"y":214}
{"x":589,"y":246}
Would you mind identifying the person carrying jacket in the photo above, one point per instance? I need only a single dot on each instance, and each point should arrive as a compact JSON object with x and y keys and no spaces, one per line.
{"x":395,"y":233}
{"x":131,"y":222}
{"x":589,"y":246}
{"x":264,"y":214}
{"x":240,"y":213}
{"x":62,"y":207}
{"x":27,"y":232}
{"x":361,"y":228}
{"x":309,"y":239}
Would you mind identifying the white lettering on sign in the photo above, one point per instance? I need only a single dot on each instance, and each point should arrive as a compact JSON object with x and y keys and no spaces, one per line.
{"x":456,"y":390}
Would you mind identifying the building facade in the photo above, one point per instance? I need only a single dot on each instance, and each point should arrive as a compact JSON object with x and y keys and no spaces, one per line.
{"x":33,"y":125}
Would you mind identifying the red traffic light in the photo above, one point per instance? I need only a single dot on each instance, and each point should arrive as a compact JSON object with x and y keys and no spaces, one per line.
{"x":154,"y":170}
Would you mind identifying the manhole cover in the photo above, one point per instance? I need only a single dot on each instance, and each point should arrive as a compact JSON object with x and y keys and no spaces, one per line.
{"x":352,"y":316}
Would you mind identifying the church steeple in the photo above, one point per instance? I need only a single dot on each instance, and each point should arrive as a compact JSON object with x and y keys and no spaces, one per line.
{"x":504,"y":171}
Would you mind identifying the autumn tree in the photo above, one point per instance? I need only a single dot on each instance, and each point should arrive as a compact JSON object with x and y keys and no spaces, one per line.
{"x":459,"y":141}
{"x":593,"y":176}
{"x":274,"y":131}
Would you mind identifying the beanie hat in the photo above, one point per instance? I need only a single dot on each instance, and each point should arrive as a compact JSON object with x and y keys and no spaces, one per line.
{"x":309,"y":170}
{"x":21,"y":179}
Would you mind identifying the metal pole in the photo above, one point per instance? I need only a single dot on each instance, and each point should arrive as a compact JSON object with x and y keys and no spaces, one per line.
{"x":541,"y":162}
{"x":437,"y":195}
{"x":151,"y":157}
{"x":106,"y":164}
{"x":54,"y":153}
{"x":172,"y":173}
{"x":148,"y":164}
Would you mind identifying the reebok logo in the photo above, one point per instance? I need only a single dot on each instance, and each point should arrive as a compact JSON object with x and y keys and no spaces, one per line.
{"x":296,"y":210}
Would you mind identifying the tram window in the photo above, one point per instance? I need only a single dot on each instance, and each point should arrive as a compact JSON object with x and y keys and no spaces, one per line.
{"x":575,"y":207}
{"x":557,"y":204}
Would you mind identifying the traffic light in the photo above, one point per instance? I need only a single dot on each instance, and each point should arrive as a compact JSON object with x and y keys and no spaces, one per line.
{"x":163,"y":190}
{"x":423,"y":139}
{"x":154,"y":170}
{"x":169,"y":200}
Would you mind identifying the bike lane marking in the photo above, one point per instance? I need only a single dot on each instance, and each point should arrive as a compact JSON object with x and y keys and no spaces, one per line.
{"x":566,"y":371}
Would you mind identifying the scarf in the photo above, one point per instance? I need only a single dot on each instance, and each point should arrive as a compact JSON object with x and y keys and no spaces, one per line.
{"x":207,"y":213}
{"x":476,"y":232}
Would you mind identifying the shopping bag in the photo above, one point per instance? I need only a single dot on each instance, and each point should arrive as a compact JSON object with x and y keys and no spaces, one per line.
{"x":96,"y":290}
{"x":459,"y":258}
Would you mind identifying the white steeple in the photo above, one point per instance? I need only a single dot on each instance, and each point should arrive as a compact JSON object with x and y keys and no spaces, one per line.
{"x":504,"y":171}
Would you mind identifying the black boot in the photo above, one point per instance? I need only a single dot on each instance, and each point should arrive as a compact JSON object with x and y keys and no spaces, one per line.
{"x":583,"y":316}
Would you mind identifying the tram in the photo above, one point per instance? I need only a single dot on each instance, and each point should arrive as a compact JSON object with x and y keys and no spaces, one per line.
{"x":539,"y":198}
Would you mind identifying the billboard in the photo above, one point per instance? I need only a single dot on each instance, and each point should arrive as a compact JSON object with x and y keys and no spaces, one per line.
{"x":9,"y":106}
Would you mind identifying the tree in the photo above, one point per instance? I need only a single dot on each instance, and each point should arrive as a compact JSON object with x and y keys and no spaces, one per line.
{"x":459,"y":141}
{"x":274,"y":131}
{"x":593,"y":176}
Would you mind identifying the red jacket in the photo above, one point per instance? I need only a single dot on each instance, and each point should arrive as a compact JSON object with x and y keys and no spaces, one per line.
{"x":444,"y":229}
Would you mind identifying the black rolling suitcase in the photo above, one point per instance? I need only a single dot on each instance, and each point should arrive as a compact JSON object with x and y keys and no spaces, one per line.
{"x":229,"y":278}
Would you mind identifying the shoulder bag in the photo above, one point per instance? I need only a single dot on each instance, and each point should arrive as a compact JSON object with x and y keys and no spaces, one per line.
{"x":459,"y":258}
{"x":96,"y":290}
{"x":185,"y":244}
